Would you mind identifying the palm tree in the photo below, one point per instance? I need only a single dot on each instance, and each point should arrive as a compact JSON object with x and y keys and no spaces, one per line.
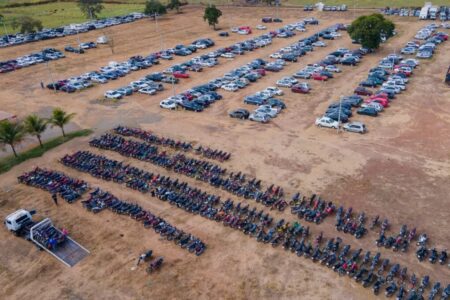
{"x":35,"y":125}
{"x":60,"y":118}
{"x":11,"y":133}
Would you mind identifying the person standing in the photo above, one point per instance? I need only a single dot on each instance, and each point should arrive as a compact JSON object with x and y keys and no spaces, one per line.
{"x":55,"y":199}
{"x":42,"y":85}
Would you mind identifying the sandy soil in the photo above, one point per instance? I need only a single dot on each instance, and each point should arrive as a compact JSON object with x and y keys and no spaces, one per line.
{"x":399,"y":170}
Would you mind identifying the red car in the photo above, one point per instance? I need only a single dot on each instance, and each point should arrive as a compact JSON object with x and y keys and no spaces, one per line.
{"x":362,"y":91}
{"x":261,"y":72}
{"x":381,"y":101}
{"x":178,"y":74}
{"x":380,"y":95}
{"x":300,"y":89}
{"x":317,"y":76}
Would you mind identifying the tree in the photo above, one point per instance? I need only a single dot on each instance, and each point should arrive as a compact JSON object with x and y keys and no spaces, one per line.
{"x":368,"y":30}
{"x":11,"y":133}
{"x":212,"y":15}
{"x":154,"y":7}
{"x":60,"y":118}
{"x":91,"y":8}
{"x":27,"y":24}
{"x":35,"y":125}
{"x":174,"y":4}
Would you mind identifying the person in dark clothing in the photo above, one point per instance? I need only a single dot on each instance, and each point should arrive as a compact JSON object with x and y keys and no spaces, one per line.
{"x":42,"y":85}
{"x":55,"y":199}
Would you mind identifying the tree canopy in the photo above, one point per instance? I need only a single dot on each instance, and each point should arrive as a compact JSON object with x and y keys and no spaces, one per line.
{"x":60,"y":118}
{"x":368,"y":30}
{"x":90,"y":8}
{"x":212,"y":15}
{"x":174,"y":4}
{"x":35,"y":125}
{"x":11,"y":133}
{"x":26,"y":24}
{"x":153,"y":7}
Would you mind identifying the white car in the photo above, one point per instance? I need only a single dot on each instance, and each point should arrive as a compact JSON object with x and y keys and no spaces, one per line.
{"x":319,"y":44}
{"x":327,"y":122}
{"x":168,"y":104}
{"x":228,"y":55}
{"x":378,"y":107}
{"x":332,"y":68}
{"x":261,"y":27}
{"x":258,"y":117}
{"x":147,"y":91}
{"x":274,"y":91}
{"x":113,"y":95}
{"x":276,"y":55}
{"x":268,"y":110}
{"x":357,"y":127}
{"x":234,"y":29}
{"x":231,"y":87}
{"x":284,"y":83}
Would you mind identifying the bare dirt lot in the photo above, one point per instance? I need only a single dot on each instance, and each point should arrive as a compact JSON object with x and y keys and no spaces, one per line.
{"x":399,"y":170}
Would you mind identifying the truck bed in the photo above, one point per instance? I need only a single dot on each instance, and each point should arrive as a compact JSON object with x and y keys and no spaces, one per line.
{"x":70,"y":252}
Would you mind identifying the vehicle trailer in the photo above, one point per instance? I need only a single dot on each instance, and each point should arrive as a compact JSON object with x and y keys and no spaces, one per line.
{"x":46,"y":237}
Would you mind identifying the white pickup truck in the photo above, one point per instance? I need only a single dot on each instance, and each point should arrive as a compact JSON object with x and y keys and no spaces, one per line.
{"x":66,"y":250}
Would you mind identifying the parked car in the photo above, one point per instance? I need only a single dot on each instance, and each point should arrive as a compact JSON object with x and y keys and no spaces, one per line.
{"x":368,"y":111}
{"x":113,"y":95}
{"x":240,"y":113}
{"x":357,"y":127}
{"x":318,"y":76}
{"x":302,"y":88}
{"x":259,"y":117}
{"x":168,"y":104}
{"x":327,"y":122}
{"x":362,"y":91}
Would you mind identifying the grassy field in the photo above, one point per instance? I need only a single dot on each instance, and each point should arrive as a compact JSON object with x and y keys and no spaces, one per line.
{"x":7,"y":163}
{"x":61,"y":13}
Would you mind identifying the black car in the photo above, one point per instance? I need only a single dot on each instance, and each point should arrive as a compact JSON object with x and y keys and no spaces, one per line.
{"x":289,"y":57}
{"x":224,"y":34}
{"x":187,"y":105}
{"x":368,"y":83}
{"x":277,"y":20}
{"x":74,"y":50}
{"x":367,"y":111}
{"x":240,"y":113}
{"x":254,"y":100}
{"x":335,"y":115}
{"x":273,"y":102}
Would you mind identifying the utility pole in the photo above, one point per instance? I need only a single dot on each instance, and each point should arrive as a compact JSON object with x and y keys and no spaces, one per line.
{"x":160,"y":34}
{"x":51,"y":75}
{"x":339,"y":114}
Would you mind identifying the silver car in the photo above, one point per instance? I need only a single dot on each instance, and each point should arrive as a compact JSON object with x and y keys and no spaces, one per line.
{"x":258,"y":117}
{"x":357,"y":127}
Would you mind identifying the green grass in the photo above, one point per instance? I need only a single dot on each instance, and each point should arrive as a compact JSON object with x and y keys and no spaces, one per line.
{"x":63,"y":13}
{"x":8,"y":162}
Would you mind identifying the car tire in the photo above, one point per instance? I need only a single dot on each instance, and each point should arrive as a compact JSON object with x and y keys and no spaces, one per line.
{"x":319,"y":125}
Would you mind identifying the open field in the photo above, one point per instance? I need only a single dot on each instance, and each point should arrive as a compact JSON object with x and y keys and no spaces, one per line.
{"x":63,"y":13}
{"x":399,"y":170}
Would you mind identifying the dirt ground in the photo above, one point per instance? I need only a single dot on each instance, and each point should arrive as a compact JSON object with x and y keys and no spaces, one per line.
{"x":400,"y":170}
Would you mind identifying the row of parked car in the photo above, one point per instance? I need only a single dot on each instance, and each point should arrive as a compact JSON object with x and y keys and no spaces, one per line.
{"x":426,"y":49}
{"x":391,"y":77}
{"x":51,"y":33}
{"x":115,"y":70}
{"x":81,"y":47}
{"x":39,"y":57}
{"x":199,"y":99}
{"x":268,"y":106}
